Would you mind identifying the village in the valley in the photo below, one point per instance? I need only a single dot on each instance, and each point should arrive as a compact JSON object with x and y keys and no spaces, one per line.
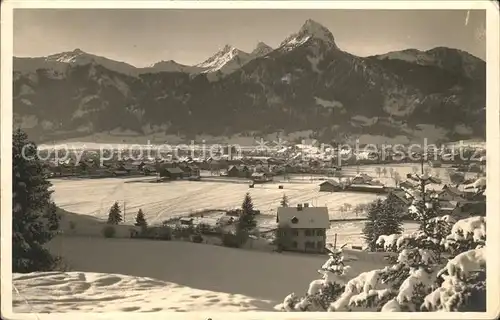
{"x":314,"y":183}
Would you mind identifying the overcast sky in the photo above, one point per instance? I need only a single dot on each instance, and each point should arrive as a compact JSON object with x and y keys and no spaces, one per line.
{"x":142,"y":37}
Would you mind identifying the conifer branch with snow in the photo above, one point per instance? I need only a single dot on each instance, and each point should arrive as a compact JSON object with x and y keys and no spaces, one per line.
{"x":420,"y":278}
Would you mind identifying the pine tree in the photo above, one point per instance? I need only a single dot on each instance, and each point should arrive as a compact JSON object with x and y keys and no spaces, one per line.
{"x":284,"y":201}
{"x":247,"y":218}
{"x":34,"y":217}
{"x":373,"y":228}
{"x":140,"y":220}
{"x":115,"y":214}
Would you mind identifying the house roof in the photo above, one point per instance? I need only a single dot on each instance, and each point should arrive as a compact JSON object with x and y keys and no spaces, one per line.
{"x":406,"y":184}
{"x":260,"y":174}
{"x":367,"y":186}
{"x":401,"y":196}
{"x":307,"y":217}
{"x":452,"y":190}
{"x":330,"y":182}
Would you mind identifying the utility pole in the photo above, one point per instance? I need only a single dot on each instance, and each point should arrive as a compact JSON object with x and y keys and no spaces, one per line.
{"x":124,"y":211}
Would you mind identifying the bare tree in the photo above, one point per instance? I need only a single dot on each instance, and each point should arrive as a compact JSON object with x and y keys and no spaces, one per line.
{"x":378,"y":171}
{"x":397,"y":178}
{"x":347,"y":206}
{"x":391,"y":172}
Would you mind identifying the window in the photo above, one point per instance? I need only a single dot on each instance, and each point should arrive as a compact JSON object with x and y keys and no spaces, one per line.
{"x":320,"y":244}
{"x":294,"y":244}
{"x":308,"y":232}
{"x":295,"y":232}
{"x":295,"y":220}
{"x":320,"y":232}
{"x":309,"y":245}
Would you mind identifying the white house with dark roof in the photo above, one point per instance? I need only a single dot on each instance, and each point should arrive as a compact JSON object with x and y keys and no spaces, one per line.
{"x":304,"y":226}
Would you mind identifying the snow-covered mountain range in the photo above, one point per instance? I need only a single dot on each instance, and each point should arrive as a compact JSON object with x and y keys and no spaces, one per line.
{"x":223,"y":62}
{"x":307,"y":83}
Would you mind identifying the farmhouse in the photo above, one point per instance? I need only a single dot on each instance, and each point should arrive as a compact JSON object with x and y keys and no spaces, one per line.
{"x":186,"y":221}
{"x":408,"y":185}
{"x":303,"y":227}
{"x":362,"y":178}
{"x":476,"y":185}
{"x":238,"y":171}
{"x":330,"y":186}
{"x":474,"y":167}
{"x":149,"y":169}
{"x":463,"y":209}
{"x":191,"y":170}
{"x":400,"y":200}
{"x":450,"y":194}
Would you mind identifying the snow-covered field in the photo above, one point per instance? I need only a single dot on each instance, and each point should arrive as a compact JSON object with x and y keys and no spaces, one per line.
{"x":159,"y":201}
{"x":142,"y":275}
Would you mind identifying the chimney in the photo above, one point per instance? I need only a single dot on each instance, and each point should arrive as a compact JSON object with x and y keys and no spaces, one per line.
{"x":306,"y":205}
{"x":299,"y":207}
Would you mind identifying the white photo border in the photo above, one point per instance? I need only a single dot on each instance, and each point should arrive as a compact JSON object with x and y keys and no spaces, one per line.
{"x":493,"y":147}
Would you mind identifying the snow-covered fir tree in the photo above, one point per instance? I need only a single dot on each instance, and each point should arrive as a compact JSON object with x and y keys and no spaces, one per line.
{"x":246,"y":222}
{"x":441,"y":270}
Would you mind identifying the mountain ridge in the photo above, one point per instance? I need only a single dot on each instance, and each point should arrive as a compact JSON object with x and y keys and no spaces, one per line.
{"x":307,"y":83}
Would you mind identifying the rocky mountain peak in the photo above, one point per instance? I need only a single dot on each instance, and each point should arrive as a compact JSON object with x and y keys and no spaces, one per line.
{"x":261,"y":49}
{"x":310,"y":29}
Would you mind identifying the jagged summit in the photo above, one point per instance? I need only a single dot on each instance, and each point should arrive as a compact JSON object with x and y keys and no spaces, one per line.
{"x":222,"y":57}
{"x":310,"y":29}
{"x":316,"y":30}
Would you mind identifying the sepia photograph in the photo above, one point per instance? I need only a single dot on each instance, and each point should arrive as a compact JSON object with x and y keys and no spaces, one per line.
{"x":178,"y":156}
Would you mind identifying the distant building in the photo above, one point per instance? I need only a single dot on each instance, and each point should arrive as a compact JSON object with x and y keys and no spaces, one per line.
{"x":474,"y":167}
{"x":239,"y":171}
{"x":305,"y":227}
{"x":379,"y":189}
{"x":330,"y":186}
{"x":401,"y":201}
{"x":261,"y":177}
{"x":186,"y":221}
{"x":362,"y":178}
{"x":171,"y":173}
{"x":450,"y":194}
{"x":406,"y":185}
